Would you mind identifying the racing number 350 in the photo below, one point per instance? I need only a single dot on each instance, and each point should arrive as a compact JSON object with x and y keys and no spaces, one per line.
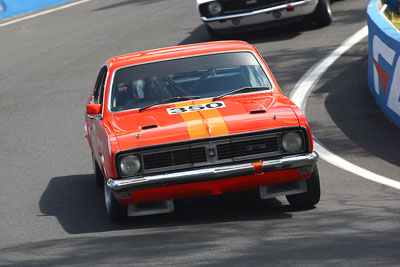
{"x":198,"y":107}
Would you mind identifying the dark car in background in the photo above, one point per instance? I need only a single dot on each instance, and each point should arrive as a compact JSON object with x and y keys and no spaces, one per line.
{"x":227,"y":16}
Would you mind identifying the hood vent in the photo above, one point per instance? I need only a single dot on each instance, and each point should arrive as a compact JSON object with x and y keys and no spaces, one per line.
{"x":149,"y":127}
{"x":257,"y":111}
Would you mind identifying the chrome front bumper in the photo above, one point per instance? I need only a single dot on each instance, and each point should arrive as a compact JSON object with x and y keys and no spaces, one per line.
{"x":211,"y":173}
{"x":286,"y":11}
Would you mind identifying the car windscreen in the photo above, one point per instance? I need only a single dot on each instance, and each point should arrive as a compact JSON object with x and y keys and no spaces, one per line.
{"x":201,"y":76}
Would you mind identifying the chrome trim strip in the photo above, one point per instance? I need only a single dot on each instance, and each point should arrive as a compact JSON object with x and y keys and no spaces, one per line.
{"x":256,"y":12}
{"x":211,"y":173}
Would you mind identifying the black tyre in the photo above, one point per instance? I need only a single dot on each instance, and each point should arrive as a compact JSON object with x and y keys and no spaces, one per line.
{"x":323,"y":14}
{"x":115,"y":211}
{"x":308,"y":199}
{"x":97,"y":173}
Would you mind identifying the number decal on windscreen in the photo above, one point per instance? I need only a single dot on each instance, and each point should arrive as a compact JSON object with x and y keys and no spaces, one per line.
{"x":192,"y":108}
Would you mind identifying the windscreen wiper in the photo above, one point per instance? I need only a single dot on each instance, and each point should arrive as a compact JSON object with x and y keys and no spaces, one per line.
{"x":170,"y":100}
{"x":249,"y":88}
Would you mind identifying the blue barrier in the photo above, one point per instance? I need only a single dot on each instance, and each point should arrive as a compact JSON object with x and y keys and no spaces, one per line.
{"x":11,"y":8}
{"x":384,"y":62}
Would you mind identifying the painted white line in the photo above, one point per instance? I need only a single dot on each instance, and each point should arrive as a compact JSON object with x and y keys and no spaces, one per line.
{"x":43,"y":13}
{"x":304,"y":87}
{"x":333,"y":159}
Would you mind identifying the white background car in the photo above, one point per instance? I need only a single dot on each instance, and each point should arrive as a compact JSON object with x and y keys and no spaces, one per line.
{"x":225,"y":16}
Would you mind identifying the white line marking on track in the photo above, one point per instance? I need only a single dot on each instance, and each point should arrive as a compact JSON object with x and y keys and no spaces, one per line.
{"x":304,"y":87}
{"x":334,"y":159}
{"x":43,"y":13}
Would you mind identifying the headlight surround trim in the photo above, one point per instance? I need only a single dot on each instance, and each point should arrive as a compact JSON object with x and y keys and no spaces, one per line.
{"x":292,"y":142}
{"x":214,"y":8}
{"x":129,"y":165}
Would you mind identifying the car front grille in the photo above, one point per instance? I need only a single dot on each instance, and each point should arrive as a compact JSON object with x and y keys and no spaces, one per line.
{"x":230,"y":6}
{"x":208,"y":153}
{"x":248,"y":147}
{"x":237,"y":6}
{"x":174,"y":158}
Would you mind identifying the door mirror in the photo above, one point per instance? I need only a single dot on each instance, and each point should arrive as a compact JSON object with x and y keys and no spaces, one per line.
{"x":93,"y":109}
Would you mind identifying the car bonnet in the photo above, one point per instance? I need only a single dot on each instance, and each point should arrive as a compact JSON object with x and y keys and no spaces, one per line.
{"x":181,"y":121}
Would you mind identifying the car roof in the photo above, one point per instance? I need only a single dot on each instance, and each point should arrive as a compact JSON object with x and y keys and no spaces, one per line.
{"x":177,"y":52}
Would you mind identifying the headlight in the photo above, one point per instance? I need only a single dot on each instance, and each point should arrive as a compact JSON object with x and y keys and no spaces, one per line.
{"x":129,"y":165}
{"x":292,"y":142}
{"x":214,"y":8}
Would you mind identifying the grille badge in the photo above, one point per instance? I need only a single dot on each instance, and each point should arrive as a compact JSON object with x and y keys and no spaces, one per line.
{"x":211,"y":152}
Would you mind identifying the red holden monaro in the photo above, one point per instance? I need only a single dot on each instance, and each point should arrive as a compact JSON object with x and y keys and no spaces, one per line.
{"x":195,"y":120}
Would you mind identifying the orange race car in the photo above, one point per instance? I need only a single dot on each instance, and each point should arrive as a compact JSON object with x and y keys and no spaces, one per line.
{"x":195,"y":120}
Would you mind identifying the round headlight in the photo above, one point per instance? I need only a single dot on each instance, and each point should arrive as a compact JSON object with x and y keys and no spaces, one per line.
{"x":129,"y":165}
{"x":214,"y":8}
{"x":292,"y":142}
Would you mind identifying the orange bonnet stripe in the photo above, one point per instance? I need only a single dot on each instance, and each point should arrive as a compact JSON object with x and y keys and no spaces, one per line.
{"x":215,"y":121}
{"x":194,"y":122}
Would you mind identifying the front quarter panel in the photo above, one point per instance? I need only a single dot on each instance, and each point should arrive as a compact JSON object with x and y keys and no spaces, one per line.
{"x":105,"y":146}
{"x":302,"y":122}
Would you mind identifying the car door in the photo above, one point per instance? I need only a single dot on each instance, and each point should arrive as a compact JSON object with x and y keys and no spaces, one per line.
{"x":95,"y":132}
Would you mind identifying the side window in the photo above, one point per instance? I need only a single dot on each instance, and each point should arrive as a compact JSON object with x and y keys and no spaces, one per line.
{"x":98,"y":92}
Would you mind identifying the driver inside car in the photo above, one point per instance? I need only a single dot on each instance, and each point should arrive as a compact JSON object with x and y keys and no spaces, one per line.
{"x":146,"y":90}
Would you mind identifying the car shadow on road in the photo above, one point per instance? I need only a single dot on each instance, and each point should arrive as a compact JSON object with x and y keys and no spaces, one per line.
{"x":275,"y":34}
{"x":77,"y":203}
{"x":346,"y":234}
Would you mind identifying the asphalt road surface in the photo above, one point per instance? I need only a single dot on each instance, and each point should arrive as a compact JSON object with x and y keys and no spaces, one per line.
{"x":53,"y":214}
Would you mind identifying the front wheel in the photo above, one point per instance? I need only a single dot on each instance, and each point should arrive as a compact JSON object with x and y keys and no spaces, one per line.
{"x":115,"y":210}
{"x":308,"y":199}
{"x":322,"y":15}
